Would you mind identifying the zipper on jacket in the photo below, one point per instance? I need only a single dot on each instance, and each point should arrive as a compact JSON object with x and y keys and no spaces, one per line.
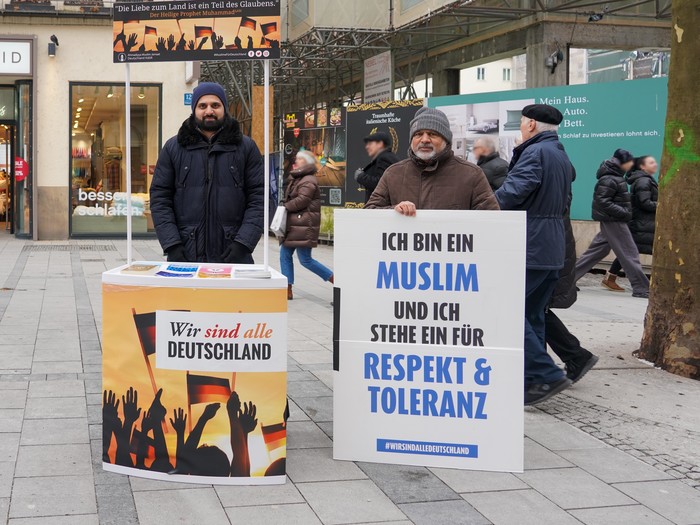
{"x":207,"y":191}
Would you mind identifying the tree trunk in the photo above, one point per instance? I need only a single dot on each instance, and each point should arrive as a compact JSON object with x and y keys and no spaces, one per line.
{"x":672,"y":325}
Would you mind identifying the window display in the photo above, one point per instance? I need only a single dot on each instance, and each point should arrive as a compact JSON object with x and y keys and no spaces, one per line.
{"x":98,"y":151}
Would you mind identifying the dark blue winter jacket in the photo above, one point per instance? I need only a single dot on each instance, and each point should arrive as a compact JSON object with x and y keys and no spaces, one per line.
{"x":206,"y":195}
{"x":539,"y":181}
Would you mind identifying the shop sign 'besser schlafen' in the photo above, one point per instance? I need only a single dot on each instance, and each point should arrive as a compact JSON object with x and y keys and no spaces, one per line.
{"x":167,"y":31}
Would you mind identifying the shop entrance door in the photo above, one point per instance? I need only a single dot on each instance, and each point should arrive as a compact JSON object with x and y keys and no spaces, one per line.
{"x":7,"y":177}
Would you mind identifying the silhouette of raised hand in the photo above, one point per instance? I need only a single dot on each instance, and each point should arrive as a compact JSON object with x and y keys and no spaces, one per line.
{"x":121,"y":37}
{"x":202,"y":42}
{"x":111,"y":424}
{"x":191,"y":46}
{"x":181,"y":43}
{"x":157,"y":411}
{"x":142,"y":48}
{"x":217,"y":42}
{"x":179,"y":421}
{"x":247,"y":417}
{"x":238,"y":43}
{"x":161,"y":45}
{"x":130,"y":42}
{"x":171,"y":42}
{"x":130,"y":406}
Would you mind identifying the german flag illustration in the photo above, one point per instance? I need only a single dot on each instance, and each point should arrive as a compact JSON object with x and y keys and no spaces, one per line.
{"x":151,"y":31}
{"x":202,"y":31}
{"x":249,"y":23}
{"x":268,"y":28}
{"x":146,"y":328}
{"x":207,"y":389}
{"x":138,"y":439}
{"x":275,"y":436}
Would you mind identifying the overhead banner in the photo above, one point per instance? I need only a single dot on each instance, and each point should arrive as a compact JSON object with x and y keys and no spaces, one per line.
{"x":164,"y":31}
{"x":378,"y":78}
{"x":322,"y":132}
{"x":432,"y":373}
{"x":598,"y":119}
{"x":392,"y":117}
{"x":194,"y":376}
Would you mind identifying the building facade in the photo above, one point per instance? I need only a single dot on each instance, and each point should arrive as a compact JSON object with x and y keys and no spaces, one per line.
{"x":63,"y":150}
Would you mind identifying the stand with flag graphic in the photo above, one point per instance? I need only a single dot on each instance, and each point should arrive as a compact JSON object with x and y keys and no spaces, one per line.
{"x":146,"y":330}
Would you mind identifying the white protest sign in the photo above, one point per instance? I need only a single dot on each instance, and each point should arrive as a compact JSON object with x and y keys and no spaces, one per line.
{"x":429,"y":350}
{"x":221,"y":342}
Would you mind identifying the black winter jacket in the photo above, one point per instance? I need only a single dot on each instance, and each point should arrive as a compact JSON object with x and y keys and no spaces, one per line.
{"x":645,"y":196}
{"x":207,"y":195}
{"x":611,"y":199}
{"x":369,"y":178}
{"x":495,"y":168}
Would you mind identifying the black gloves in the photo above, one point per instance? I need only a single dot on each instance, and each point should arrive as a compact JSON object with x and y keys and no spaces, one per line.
{"x":237,"y":253}
{"x":358,"y":172}
{"x":177,"y":253}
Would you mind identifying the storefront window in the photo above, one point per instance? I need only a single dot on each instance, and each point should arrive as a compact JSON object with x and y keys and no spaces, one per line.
{"x":98,"y":157}
{"x":24,"y":180}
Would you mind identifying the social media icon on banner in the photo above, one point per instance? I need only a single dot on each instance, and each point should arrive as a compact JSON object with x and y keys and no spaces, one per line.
{"x":258,"y":54}
{"x":121,"y":57}
{"x":266,"y":53}
{"x":251,"y":54}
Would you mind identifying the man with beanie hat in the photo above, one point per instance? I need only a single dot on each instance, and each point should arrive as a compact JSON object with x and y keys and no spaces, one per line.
{"x":207,"y":194}
{"x":432,"y":178}
{"x":539,"y":182}
{"x":378,"y":147}
{"x":612,"y":208}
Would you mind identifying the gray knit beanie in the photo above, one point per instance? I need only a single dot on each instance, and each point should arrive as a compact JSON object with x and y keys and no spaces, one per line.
{"x":434,"y":120}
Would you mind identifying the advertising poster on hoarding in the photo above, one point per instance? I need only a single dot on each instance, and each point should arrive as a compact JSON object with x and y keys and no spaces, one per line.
{"x":162,"y":31}
{"x":194,"y":378}
{"x":432,"y":374}
{"x":378,"y":78}
{"x":598,"y":119}
{"x":322,"y":132}
{"x":392,"y":117}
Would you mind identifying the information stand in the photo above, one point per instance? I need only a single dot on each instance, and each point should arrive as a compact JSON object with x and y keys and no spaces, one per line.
{"x":194,"y":373}
{"x":431,"y":373}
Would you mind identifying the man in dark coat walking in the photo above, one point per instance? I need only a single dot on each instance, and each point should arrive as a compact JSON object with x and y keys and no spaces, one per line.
{"x":612,"y":207}
{"x":207,"y":194}
{"x":378,"y":147}
{"x":487,"y":158}
{"x":539,"y":181}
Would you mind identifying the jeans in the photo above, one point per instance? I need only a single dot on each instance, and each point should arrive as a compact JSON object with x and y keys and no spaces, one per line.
{"x":539,"y":366}
{"x":308,"y":262}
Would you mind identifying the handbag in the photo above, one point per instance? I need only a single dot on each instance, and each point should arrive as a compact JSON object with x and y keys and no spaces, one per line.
{"x":278,"y":226}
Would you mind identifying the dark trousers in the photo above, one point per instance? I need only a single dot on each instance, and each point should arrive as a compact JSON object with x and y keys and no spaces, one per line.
{"x":539,"y":367}
{"x":562,"y":342}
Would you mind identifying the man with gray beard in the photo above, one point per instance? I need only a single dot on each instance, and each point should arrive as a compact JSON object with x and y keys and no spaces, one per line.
{"x":432,"y":178}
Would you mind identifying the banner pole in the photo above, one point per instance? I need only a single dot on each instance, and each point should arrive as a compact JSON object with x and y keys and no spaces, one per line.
{"x":266,"y":141}
{"x":127,"y":101}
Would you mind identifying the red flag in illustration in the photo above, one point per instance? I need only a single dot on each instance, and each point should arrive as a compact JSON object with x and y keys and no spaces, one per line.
{"x":207,"y":389}
{"x":268,"y":28}
{"x":249,"y":23}
{"x":151,"y":31}
{"x":275,"y":436}
{"x":139,"y":439}
{"x":202,"y":31}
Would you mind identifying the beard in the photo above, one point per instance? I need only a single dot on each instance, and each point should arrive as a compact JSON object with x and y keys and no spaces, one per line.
{"x":427,"y":156}
{"x":210,"y":124}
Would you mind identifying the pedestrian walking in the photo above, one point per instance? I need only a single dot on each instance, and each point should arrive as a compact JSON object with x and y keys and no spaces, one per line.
{"x":302,"y":199}
{"x":577,"y":360}
{"x":487,"y":158}
{"x":613,"y":209}
{"x":207,"y":194}
{"x":539,"y":181}
{"x":644,"y":191}
{"x":432,"y":178}
{"x":378,"y":147}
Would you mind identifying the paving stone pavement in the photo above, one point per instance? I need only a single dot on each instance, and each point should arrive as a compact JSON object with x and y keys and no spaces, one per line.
{"x":620,"y":447}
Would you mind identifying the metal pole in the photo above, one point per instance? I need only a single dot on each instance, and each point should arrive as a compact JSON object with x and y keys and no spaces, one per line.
{"x":266,"y":142}
{"x":127,"y":101}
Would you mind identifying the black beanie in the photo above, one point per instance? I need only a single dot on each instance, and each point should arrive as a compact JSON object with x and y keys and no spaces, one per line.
{"x":623,"y":155}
